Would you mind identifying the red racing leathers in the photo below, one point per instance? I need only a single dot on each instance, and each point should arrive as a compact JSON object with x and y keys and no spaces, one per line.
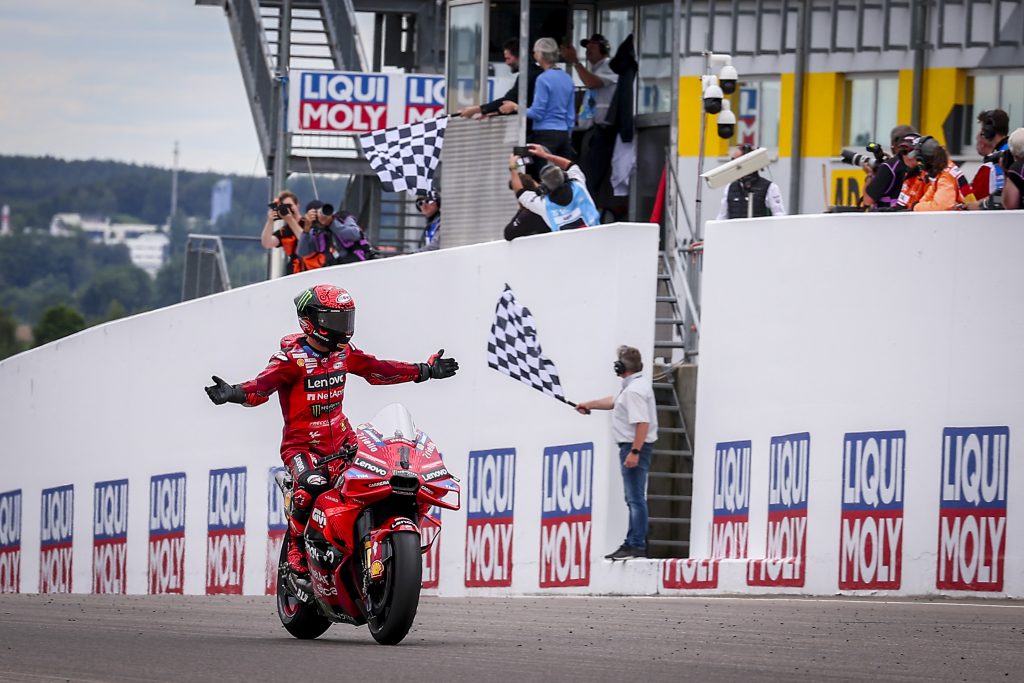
{"x":311,"y":388}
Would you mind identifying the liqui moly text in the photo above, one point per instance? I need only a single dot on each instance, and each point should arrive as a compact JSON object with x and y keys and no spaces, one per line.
{"x":10,"y":541}
{"x":166,"y":565}
{"x":731,"y":504}
{"x":565,"y":532}
{"x":785,"y":560}
{"x":343,"y":102}
{"x":56,"y":537}
{"x":225,"y":541}
{"x":871,"y":523}
{"x":109,"y":536}
{"x":277,"y":525}
{"x":489,"y":517}
{"x":972,"y":508}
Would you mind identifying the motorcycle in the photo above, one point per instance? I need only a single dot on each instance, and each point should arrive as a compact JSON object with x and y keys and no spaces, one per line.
{"x":363,"y":535}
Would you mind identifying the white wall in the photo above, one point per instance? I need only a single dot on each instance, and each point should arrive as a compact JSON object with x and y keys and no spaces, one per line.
{"x":845,"y":324}
{"x":125,"y":400}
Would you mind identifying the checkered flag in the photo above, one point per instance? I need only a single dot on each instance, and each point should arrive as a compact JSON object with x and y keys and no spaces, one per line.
{"x":513,"y":349}
{"x":405,"y":157}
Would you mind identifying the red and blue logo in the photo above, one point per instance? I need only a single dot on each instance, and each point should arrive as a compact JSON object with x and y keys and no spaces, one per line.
{"x":430,"y":538}
{"x":10,"y":541}
{"x":56,"y":537}
{"x":166,"y":534}
{"x":277,"y":525}
{"x":343,"y":102}
{"x":871,"y":523}
{"x":424,"y":97}
{"x":109,"y":536}
{"x":565,"y":519}
{"x":785,"y":559}
{"x":972,"y":508}
{"x":225,"y":540}
{"x":730,"y":521}
{"x":489,"y":517}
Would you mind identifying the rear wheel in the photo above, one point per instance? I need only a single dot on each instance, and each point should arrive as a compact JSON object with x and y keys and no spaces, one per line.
{"x":396,"y":601}
{"x":299,"y":619}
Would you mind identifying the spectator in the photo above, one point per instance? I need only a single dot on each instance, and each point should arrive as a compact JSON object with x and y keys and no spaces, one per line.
{"x":991,"y":142}
{"x":635,"y":429}
{"x":562,"y":199}
{"x":552,"y":111}
{"x":598,"y":140}
{"x":1015,"y":173}
{"x":511,"y":53}
{"x":429,"y":205}
{"x":526,"y":222}
{"x":883,"y":189}
{"x":283,"y":228}
{"x":751,"y":195}
{"x":321,"y":245}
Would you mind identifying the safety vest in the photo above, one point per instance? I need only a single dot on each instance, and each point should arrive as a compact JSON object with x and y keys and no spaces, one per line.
{"x":578,"y":213}
{"x":738,"y":198}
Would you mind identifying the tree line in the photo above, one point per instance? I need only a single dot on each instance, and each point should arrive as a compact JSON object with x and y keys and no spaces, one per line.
{"x":59,"y":285}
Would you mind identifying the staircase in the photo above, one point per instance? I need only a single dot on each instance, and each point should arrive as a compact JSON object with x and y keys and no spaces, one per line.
{"x":670,"y":480}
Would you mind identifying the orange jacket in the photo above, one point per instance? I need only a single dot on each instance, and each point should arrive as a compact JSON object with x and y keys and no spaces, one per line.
{"x":940,"y":194}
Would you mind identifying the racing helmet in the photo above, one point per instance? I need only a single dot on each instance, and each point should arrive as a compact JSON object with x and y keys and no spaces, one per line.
{"x":327,"y":314}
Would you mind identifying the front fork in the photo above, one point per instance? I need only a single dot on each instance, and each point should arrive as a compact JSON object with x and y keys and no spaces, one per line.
{"x":375,"y":551}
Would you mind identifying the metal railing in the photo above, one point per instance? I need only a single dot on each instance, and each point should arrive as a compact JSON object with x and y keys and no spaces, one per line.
{"x":684,"y":254}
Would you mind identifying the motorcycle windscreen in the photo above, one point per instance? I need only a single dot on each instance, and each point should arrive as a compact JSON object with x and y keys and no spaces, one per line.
{"x":394,"y":422}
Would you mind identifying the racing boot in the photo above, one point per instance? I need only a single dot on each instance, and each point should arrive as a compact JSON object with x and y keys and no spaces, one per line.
{"x":296,"y":551}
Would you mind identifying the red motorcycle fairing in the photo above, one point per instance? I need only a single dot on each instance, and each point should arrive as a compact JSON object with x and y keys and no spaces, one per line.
{"x":412,"y":472}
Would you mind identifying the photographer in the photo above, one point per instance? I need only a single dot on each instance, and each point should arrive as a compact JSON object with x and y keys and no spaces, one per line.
{"x":324,"y":244}
{"x":886,"y":175}
{"x":1014,"y":171}
{"x":283,"y":228}
{"x":991,"y":142}
{"x":938,"y":189}
{"x":562,"y":199}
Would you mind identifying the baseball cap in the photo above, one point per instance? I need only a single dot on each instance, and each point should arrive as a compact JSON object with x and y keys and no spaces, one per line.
{"x":314,"y":204}
{"x":597,"y":38}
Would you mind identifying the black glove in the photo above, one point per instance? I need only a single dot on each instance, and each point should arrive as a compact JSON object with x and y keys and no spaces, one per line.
{"x":221,"y":392}
{"x":437,"y":367}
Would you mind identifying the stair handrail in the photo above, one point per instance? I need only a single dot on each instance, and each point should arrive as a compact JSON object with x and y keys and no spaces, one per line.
{"x":685,"y":251}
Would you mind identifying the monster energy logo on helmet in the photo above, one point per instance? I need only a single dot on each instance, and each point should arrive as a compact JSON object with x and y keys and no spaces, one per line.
{"x":302,"y":299}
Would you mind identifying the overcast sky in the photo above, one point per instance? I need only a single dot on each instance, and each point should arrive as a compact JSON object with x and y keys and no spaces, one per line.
{"x":122,"y":80}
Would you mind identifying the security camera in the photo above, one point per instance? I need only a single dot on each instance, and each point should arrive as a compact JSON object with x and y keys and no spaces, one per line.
{"x":712,"y":95}
{"x":726,"y":121}
{"x":751,"y":162}
{"x":727,"y":79}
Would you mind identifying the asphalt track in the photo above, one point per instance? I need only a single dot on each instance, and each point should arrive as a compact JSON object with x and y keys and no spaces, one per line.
{"x":173,"y":638}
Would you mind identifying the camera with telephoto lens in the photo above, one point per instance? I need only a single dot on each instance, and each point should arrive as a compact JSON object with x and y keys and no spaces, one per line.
{"x":877,"y":156}
{"x":281,"y":208}
{"x":326,"y":211}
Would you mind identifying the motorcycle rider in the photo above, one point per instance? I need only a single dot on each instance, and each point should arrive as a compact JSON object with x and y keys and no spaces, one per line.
{"x":309,"y":374}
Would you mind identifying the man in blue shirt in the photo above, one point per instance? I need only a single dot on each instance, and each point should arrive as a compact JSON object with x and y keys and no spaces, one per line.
{"x":553,"y":111}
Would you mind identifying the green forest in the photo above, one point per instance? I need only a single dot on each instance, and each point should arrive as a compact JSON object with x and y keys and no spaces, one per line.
{"x":60,"y":285}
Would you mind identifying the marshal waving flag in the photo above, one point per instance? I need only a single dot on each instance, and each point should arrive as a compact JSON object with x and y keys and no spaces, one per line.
{"x":514,"y":350}
{"x":405,"y":157}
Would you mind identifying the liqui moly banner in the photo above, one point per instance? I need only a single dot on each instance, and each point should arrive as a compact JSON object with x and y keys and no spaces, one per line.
{"x":357,"y":102}
{"x":109,"y":536}
{"x":972,"y":508}
{"x":871,"y":523}
{"x":277,"y":525}
{"x":565,"y":526}
{"x":166,"y":566}
{"x":730,"y":514}
{"x":785,"y":562}
{"x":489,"y":517}
{"x":430,"y":538}
{"x":225,"y":541}
{"x":10,"y":541}
{"x":56,"y":537}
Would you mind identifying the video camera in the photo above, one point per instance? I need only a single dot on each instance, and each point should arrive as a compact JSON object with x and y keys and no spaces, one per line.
{"x":877,"y":156}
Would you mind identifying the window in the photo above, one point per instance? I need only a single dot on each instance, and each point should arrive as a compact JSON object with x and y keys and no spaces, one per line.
{"x":616,"y":24}
{"x":654,"y":56}
{"x":870,"y":109}
{"x":757,"y":106}
{"x":994,"y":91}
{"x":464,"y":54}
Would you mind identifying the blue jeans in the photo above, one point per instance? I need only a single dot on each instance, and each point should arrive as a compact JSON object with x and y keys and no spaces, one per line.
{"x":634,"y":482}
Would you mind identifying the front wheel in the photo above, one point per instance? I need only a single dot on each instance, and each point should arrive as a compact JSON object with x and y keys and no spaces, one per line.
{"x":299,"y":619}
{"x":395,"y":606}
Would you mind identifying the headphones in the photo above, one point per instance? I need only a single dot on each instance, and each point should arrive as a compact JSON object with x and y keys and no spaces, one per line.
{"x":619,"y":367}
{"x":988,"y":125}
